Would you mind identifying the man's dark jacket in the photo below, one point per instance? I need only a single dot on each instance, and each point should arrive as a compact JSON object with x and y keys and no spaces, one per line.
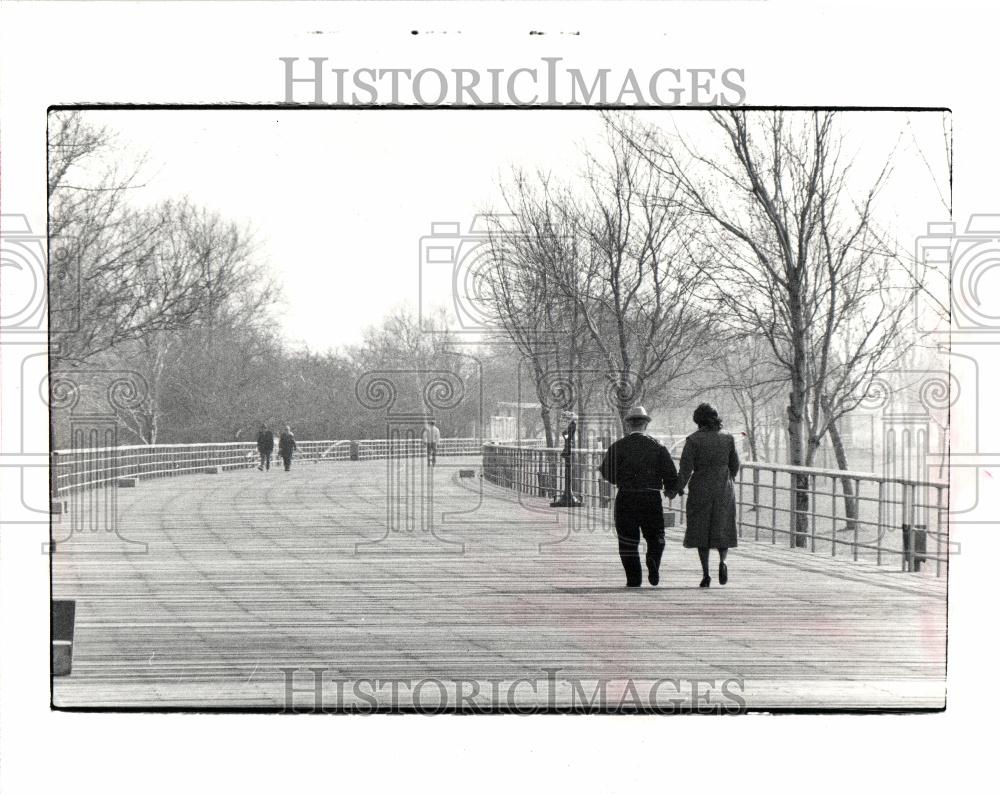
{"x":265,"y":441}
{"x":640,"y":463}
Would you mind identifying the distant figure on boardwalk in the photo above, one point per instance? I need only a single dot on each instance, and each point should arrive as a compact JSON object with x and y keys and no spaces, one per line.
{"x":432,"y":435}
{"x":286,"y":446}
{"x":265,"y":446}
{"x":710,"y":463}
{"x":641,"y":467}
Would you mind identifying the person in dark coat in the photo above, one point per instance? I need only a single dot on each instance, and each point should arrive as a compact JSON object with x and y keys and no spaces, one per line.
{"x":709,"y":464}
{"x":265,"y":446}
{"x":286,"y":446}
{"x":432,"y":437}
{"x":641,"y":467}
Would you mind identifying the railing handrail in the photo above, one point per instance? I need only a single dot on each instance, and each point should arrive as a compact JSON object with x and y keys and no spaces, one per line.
{"x":778,"y":467}
{"x":154,"y":447}
{"x":822,"y":510}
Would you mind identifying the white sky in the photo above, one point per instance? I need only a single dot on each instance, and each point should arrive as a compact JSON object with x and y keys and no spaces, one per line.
{"x":339,"y":199}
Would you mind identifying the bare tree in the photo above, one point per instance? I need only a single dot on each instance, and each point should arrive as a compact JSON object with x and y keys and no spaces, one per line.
{"x":635,"y":288}
{"x":417,"y":349}
{"x":609,"y":274}
{"x":753,"y":381}
{"x":120,"y":273}
{"x":803,"y":264}
{"x":148,"y":355}
{"x":530,"y":246}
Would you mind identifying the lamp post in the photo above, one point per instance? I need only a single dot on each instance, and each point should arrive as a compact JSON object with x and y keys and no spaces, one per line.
{"x":568,"y":499}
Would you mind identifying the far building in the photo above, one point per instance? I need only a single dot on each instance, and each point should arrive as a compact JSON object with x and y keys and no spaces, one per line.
{"x":516,"y":421}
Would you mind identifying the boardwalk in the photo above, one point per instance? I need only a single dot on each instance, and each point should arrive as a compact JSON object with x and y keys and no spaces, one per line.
{"x":246,"y":573}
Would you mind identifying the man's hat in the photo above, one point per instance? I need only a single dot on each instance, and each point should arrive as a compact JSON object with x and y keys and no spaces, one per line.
{"x":637,"y":413}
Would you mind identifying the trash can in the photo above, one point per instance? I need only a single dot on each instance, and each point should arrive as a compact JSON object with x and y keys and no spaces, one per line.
{"x":63,"y":617}
{"x":919,"y":545}
{"x":355,"y":450}
{"x":914,"y":546}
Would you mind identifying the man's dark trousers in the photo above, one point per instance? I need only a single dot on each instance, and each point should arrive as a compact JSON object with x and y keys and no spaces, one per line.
{"x":635,"y":512}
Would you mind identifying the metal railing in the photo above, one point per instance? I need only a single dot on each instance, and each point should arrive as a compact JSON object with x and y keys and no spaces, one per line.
{"x":381,"y":448}
{"x":74,"y":469}
{"x":840,"y":513}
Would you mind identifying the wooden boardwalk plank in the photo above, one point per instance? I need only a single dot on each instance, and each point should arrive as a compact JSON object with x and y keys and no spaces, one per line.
{"x":248,"y":573}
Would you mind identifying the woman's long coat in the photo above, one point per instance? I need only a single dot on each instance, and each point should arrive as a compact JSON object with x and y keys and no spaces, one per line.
{"x":709,"y":465}
{"x":286,"y":443}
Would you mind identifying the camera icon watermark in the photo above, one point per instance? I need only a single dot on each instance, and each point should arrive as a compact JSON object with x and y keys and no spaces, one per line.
{"x":453,"y":268}
{"x":22,"y":269}
{"x":35,"y":280}
{"x":469,"y":274}
{"x":959,"y":272}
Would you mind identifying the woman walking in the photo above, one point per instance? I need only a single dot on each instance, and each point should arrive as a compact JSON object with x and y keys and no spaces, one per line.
{"x":286,"y":445}
{"x":710,"y":464}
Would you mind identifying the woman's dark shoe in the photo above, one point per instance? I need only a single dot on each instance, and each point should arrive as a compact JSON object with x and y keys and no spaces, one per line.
{"x":706,"y":581}
{"x":723,"y":573}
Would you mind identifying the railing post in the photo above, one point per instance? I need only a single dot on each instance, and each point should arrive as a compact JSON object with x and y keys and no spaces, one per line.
{"x":812,"y":513}
{"x":937,"y":567}
{"x":906,"y":558}
{"x":739,"y":507}
{"x":756,"y":505}
{"x":833,"y":516}
{"x":793,"y":509}
{"x":857,"y":523}
{"x":774,"y":506}
{"x":881,"y":525}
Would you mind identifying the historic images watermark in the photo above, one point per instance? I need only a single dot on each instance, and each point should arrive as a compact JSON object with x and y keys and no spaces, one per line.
{"x":552,"y":83}
{"x":318,"y":690}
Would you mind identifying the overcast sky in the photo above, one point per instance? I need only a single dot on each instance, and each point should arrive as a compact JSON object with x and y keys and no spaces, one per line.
{"x":339,"y":199}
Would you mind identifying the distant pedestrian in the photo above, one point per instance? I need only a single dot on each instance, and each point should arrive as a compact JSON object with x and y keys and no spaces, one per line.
{"x":432,"y":435}
{"x":710,"y":463}
{"x":286,"y":446}
{"x":641,"y":467}
{"x":265,"y":446}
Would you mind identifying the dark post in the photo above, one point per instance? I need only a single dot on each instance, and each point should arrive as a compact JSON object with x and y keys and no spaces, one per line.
{"x":568,"y":499}
{"x":61,"y":630}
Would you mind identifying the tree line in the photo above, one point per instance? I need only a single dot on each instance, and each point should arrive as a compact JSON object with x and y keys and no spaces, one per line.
{"x":181,"y":300}
{"x":751,"y":266}
{"x":753,"y":262}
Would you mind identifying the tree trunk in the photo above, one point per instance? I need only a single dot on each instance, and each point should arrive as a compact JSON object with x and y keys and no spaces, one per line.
{"x":799,"y":483}
{"x":797,"y":401}
{"x":752,"y":441}
{"x":850,"y":498}
{"x":547,"y":424}
{"x":581,"y":419}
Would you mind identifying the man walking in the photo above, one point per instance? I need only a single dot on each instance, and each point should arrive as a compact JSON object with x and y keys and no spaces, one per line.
{"x":640,"y":466}
{"x":431,"y":438}
{"x":265,"y":446}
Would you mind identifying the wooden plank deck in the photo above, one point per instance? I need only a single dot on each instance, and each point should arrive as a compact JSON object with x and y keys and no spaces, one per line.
{"x":246,"y":573}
